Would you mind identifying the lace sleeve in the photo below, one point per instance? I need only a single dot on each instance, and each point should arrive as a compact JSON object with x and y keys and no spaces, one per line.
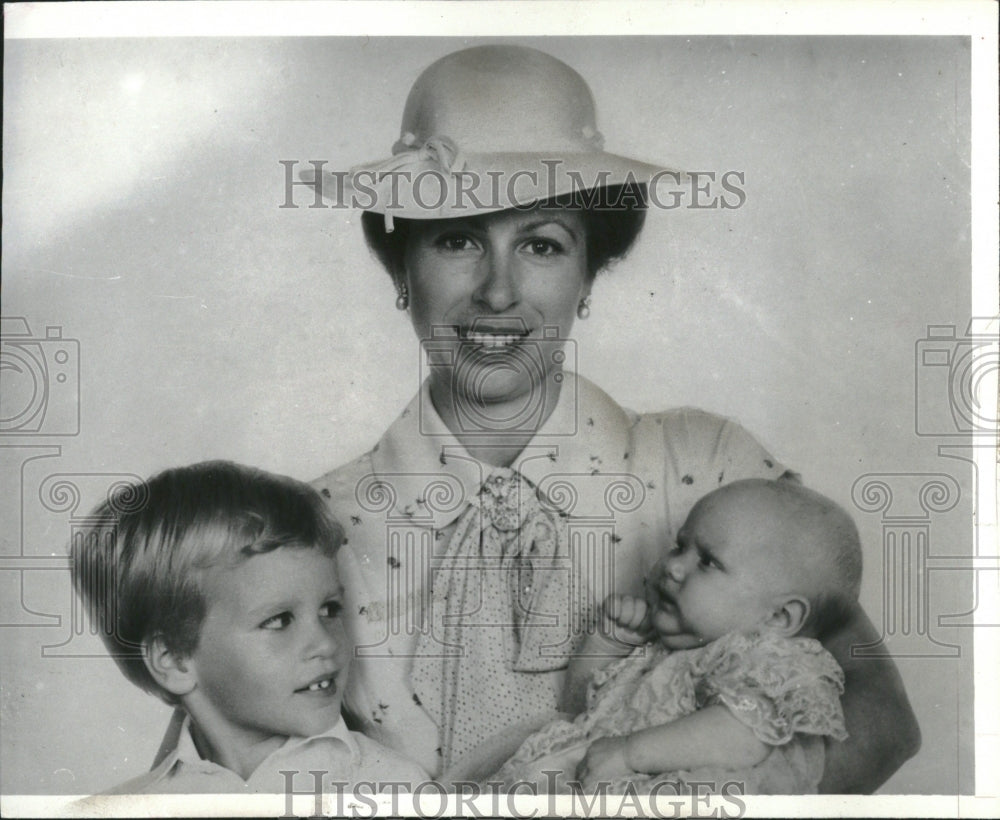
{"x":616,"y":681}
{"x":776,"y":686}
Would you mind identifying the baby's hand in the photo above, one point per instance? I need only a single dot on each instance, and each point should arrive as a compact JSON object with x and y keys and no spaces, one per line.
{"x":605,"y":760}
{"x":627,"y":619}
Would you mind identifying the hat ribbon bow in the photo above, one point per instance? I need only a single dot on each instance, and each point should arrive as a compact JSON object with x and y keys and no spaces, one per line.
{"x":438,"y":149}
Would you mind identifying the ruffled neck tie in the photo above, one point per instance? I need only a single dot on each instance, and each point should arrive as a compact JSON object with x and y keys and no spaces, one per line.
{"x":500,"y":614}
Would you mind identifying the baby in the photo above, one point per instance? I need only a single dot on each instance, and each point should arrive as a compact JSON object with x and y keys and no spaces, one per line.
{"x":760,"y":570}
{"x":215,"y":587}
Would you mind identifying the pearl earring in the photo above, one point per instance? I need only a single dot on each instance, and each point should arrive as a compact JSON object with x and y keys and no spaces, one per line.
{"x":403,"y":300}
{"x":583,"y":309}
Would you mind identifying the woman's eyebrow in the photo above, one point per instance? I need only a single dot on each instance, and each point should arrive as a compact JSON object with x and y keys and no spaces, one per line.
{"x":457,"y":225}
{"x":535,"y":224}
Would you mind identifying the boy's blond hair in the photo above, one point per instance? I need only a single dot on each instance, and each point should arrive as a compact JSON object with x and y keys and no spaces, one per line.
{"x":139,"y":567}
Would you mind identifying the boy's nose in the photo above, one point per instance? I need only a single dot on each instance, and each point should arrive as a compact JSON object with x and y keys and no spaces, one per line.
{"x":322,"y":642}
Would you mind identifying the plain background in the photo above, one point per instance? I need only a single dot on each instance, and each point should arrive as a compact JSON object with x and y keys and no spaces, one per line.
{"x":141,"y":193}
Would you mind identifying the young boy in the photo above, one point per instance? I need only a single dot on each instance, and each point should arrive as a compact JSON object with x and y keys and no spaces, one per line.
{"x":215,"y":587}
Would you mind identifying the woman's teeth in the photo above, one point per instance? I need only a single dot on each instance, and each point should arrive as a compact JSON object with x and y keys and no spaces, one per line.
{"x":492,"y":340}
{"x":320,"y":685}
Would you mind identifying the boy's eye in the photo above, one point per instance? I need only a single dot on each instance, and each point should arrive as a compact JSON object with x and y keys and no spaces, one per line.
{"x":279,"y":621}
{"x":331,"y":609}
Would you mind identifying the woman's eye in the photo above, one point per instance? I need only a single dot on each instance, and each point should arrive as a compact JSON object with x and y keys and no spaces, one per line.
{"x":454,"y":242}
{"x":543,"y":247}
{"x":331,"y":609}
{"x":279,"y":621}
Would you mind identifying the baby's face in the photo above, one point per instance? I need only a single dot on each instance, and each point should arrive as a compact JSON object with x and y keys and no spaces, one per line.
{"x":273,"y":655}
{"x":726,"y":571}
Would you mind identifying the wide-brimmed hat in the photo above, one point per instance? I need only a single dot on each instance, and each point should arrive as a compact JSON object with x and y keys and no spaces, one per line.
{"x":486,"y":129}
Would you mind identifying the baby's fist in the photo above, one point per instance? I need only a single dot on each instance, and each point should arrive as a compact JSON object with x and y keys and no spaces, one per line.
{"x":627,"y":618}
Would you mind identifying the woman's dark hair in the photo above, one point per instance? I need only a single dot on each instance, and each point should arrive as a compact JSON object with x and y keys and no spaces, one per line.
{"x":613,"y":217}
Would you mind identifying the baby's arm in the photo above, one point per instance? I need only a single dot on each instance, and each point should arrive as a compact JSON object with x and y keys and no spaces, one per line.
{"x":623,"y":625}
{"x":709,"y":737}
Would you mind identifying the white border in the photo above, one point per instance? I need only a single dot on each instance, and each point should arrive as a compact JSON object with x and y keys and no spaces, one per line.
{"x":253,"y":18}
{"x":974,"y":18}
{"x":263,"y":805}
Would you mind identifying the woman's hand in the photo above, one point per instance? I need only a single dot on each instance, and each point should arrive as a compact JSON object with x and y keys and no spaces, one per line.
{"x":605,"y":760}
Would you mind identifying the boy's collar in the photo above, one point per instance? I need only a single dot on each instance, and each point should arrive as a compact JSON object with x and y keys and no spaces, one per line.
{"x":184,"y":750}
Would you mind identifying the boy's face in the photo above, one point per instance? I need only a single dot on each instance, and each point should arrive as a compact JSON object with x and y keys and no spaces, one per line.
{"x":273,"y":655}
{"x":727,"y":570}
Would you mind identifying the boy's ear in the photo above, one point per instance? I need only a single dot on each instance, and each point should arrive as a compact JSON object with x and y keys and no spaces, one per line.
{"x":171,"y":671}
{"x":789,"y":615}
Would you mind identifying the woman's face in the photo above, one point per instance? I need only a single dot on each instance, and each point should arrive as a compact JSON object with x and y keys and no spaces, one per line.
{"x":493,"y":298}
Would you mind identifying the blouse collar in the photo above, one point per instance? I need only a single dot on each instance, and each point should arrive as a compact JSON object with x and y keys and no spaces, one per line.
{"x":425,"y":476}
{"x":185,"y":751}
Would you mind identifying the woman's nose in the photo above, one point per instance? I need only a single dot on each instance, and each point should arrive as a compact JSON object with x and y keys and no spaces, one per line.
{"x":499,"y":289}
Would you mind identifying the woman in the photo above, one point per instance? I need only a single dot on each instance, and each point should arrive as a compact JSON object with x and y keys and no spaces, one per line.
{"x":511,"y":494}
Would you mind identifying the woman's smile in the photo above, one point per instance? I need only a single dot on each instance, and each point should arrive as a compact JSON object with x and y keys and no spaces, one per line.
{"x":494,"y":297}
{"x":494,"y":333}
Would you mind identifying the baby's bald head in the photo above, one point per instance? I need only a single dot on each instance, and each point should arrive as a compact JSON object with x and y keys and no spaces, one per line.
{"x":810,"y":542}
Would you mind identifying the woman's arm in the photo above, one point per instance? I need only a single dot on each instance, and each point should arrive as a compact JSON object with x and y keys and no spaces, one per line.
{"x":882,"y":727}
{"x":708,"y":737}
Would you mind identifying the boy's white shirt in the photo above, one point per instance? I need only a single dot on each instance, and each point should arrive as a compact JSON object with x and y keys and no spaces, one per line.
{"x":343,"y":755}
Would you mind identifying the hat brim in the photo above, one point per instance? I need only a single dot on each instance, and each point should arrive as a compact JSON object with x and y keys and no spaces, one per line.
{"x":414,"y":187}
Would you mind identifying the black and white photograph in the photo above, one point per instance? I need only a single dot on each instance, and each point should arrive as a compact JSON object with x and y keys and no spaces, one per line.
{"x":499,"y":409}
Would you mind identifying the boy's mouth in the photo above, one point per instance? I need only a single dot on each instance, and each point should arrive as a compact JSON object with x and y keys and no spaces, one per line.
{"x":325,"y":684}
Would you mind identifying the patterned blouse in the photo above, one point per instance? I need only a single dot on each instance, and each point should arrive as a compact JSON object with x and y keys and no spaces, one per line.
{"x":786,"y":690}
{"x":468,"y":585}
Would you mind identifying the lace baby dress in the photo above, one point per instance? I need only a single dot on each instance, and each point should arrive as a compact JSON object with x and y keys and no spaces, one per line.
{"x":787,"y":690}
